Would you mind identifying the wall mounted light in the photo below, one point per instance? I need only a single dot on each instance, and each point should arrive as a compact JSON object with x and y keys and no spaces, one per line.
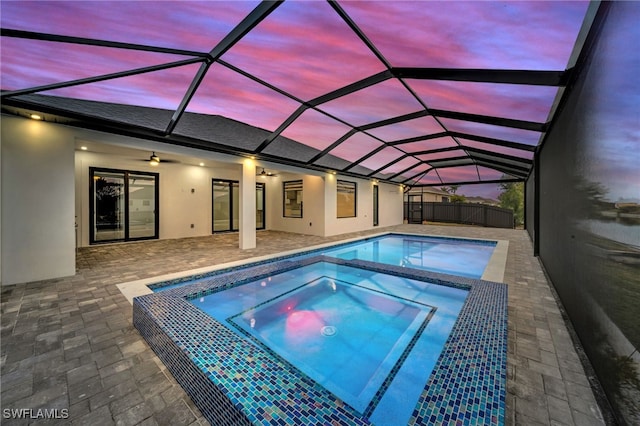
{"x":36,"y":117}
{"x":84,"y":148}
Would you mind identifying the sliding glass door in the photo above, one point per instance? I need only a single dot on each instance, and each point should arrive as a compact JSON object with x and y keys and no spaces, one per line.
{"x":375,"y":206}
{"x":260,"y":216}
{"x":108,"y":196}
{"x":226,"y":205}
{"x":142,"y":206}
{"x":225,"y":216}
{"x":123,"y":205}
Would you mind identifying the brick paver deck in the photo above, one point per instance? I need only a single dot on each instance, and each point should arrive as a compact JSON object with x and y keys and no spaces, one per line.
{"x":69,"y":343}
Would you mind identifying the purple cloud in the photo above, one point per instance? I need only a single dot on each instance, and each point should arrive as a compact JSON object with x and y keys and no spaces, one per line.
{"x":408,"y":129}
{"x":530,"y":103}
{"x":382,"y":158}
{"x":353,"y":148}
{"x":381,"y":101}
{"x":229,"y":94}
{"x":401,"y":165}
{"x":315,"y":129}
{"x":497,"y":132}
{"x":191,"y":25}
{"x":429,"y":144}
{"x":305,"y":49}
{"x":472,"y":34}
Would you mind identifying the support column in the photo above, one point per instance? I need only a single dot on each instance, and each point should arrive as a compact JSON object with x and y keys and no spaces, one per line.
{"x":248,"y":205}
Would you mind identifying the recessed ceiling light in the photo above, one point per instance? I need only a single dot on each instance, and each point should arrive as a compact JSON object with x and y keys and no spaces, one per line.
{"x":36,"y":117}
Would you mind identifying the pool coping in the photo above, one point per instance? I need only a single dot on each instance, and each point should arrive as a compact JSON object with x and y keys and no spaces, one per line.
{"x":494,"y":270}
{"x":229,"y":379}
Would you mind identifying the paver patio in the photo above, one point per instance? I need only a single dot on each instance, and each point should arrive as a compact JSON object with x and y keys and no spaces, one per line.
{"x":70,"y":344}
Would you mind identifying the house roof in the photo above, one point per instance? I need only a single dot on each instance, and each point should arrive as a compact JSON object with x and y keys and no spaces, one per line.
{"x":418,"y":93}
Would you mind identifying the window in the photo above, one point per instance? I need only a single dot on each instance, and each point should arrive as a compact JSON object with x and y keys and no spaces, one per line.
{"x":346,"y":199}
{"x":292,"y":206}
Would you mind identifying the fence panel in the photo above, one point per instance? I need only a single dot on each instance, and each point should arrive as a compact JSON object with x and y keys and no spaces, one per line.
{"x":499,"y":218}
{"x":466,"y":213}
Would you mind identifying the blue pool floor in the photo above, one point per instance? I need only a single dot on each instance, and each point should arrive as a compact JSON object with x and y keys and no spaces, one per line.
{"x":482,"y":320}
{"x":373,"y":323}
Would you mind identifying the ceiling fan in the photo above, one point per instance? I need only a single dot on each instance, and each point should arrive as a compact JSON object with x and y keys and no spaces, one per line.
{"x":154,"y":160}
{"x":265,"y":174}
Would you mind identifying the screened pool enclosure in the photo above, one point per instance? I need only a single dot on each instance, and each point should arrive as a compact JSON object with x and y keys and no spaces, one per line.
{"x":410,"y":94}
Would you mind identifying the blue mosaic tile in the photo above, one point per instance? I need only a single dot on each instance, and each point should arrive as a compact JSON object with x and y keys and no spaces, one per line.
{"x":234,"y":382}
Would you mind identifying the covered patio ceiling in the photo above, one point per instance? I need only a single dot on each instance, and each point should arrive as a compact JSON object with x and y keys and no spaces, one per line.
{"x":421,"y":93}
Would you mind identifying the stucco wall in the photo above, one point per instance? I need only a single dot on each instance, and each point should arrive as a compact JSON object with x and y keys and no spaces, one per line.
{"x":179,"y":207}
{"x":38,"y":236}
{"x":45,"y":192}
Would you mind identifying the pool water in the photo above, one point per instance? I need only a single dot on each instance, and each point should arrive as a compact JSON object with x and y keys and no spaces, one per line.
{"x":466,"y":258}
{"x":370,"y":338}
{"x":454,"y":256}
{"x":387,"y":330}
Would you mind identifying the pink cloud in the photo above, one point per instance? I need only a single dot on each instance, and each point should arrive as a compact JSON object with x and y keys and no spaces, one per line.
{"x":497,"y":148}
{"x":186,"y":25}
{"x":442,"y":155}
{"x":399,"y":166}
{"x":487,"y":173}
{"x":459,"y":174}
{"x":305,"y":49}
{"x":408,"y":129}
{"x":426,"y":145}
{"x":34,"y":63}
{"x":139,"y":89}
{"x":385,"y":156}
{"x":229,"y":94}
{"x":472,"y":34}
{"x":315,"y":129}
{"x":420,"y":168}
{"x":355,"y":147}
{"x":496,"y":132}
{"x":430,"y":178}
{"x":529,"y":103}
{"x":381,"y":101}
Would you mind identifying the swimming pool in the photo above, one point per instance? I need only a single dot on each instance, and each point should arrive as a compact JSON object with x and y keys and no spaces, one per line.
{"x":236,"y":377}
{"x":462,"y":257}
{"x":367,"y":337}
{"x":455,"y":256}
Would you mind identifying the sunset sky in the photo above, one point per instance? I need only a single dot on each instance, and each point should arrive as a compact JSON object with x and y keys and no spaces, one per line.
{"x":306,"y":50}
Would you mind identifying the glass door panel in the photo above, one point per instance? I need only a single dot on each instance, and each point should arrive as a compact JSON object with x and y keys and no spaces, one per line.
{"x":415,"y":208}
{"x":260,"y":224}
{"x":142,"y":206}
{"x":375,"y":205}
{"x":109,"y":206}
{"x":235,"y":202}
{"x":221,"y":206}
{"x":226,"y":205}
